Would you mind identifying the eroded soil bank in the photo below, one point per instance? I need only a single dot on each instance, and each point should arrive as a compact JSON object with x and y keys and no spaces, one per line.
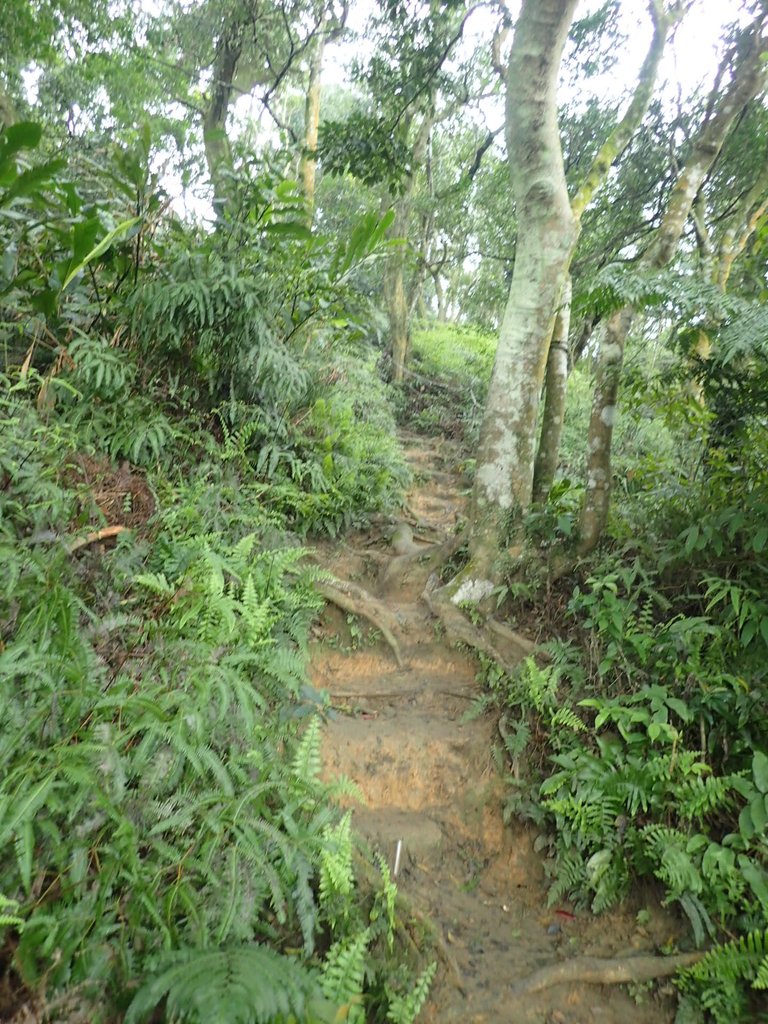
{"x":429,"y":779}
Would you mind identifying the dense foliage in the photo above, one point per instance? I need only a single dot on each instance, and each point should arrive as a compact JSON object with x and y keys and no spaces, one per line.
{"x":188,"y":400}
{"x":163,"y":820}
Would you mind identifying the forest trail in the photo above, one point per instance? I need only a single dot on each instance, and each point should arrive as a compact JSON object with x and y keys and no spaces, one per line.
{"x":429,"y":780}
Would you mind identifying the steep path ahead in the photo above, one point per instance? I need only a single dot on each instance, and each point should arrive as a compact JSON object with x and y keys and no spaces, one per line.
{"x":429,"y":780}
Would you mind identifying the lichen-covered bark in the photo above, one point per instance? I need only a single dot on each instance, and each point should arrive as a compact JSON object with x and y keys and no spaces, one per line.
{"x":504,"y":473}
{"x":740,"y":227}
{"x":397,"y":311}
{"x":602,"y":420}
{"x":308,"y":163}
{"x":553,"y":414}
{"x":748,"y":79}
{"x":610,"y":151}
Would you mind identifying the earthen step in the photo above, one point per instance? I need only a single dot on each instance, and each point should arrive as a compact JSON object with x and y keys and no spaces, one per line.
{"x":374,"y":668}
{"x":424,"y":762}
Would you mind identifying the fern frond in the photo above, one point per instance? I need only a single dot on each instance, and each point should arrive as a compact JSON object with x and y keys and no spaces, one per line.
{"x":307,"y":762}
{"x":344,"y":971}
{"x":404,"y":1009}
{"x":567,"y":718}
{"x":246,"y":985}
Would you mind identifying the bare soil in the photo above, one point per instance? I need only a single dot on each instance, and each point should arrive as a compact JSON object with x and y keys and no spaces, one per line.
{"x":429,"y":779}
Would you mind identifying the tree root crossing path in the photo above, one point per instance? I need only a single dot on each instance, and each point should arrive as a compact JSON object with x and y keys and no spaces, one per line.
{"x":434,"y":790}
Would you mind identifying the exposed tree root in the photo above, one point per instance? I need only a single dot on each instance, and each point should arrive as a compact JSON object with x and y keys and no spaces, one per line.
{"x":351,"y":598}
{"x":514,"y":639}
{"x":596,"y":971}
{"x":428,"y":558}
{"x":459,"y":628}
{"x":378,"y":557}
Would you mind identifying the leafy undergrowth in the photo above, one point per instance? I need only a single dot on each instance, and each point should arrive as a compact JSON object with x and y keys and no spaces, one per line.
{"x":644,"y":738}
{"x":164,"y":832}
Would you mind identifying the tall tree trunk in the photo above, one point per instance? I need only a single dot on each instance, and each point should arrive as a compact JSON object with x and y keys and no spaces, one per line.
{"x":717,"y":260}
{"x":308,"y":163}
{"x":215,"y":141}
{"x":504,"y":474}
{"x":740,"y":227}
{"x":395,"y":294}
{"x":748,"y":79}
{"x":607,"y":155}
{"x":397,"y":303}
{"x":440,"y":296}
{"x":553,"y":415}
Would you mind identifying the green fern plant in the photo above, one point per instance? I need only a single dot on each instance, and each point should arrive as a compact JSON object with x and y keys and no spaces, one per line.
{"x":404,"y":1009}
{"x":243,"y":985}
{"x":718,"y":980}
{"x":337,"y":878}
{"x":344,"y":974}
{"x":9,"y":917}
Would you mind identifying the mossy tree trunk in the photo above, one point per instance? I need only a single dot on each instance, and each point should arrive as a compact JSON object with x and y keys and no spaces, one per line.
{"x":215,"y":141}
{"x":395,"y":292}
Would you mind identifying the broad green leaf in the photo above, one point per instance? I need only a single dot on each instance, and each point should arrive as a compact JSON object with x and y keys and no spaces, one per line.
{"x":30,"y":181}
{"x":760,"y":770}
{"x":113,"y":236}
{"x":758,"y":813}
{"x":746,"y":826}
{"x":756,"y":878}
{"x":83,"y":237}
{"x":290,"y":229}
{"x":22,"y":135}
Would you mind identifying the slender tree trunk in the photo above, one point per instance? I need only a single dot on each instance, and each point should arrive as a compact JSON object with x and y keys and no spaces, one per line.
{"x":215,"y":141}
{"x":395,"y":294}
{"x":440,"y":296}
{"x":718,"y":261}
{"x":748,"y":79}
{"x":607,"y":155}
{"x":745,"y":220}
{"x":602,"y":419}
{"x":553,"y":414}
{"x":397,"y":311}
{"x":504,"y":474}
{"x":308,"y":163}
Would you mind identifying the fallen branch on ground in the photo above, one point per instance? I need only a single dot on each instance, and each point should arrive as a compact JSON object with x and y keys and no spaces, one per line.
{"x":594,"y":970}
{"x":93,"y":538}
{"x":351,"y":598}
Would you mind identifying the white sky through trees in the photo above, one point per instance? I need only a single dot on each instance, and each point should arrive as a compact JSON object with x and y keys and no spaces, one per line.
{"x":688,"y":66}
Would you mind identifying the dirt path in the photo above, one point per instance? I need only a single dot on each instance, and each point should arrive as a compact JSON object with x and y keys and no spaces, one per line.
{"x":429,"y":781}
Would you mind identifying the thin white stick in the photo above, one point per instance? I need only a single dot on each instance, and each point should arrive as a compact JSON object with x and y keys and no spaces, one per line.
{"x":398,"y":852}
